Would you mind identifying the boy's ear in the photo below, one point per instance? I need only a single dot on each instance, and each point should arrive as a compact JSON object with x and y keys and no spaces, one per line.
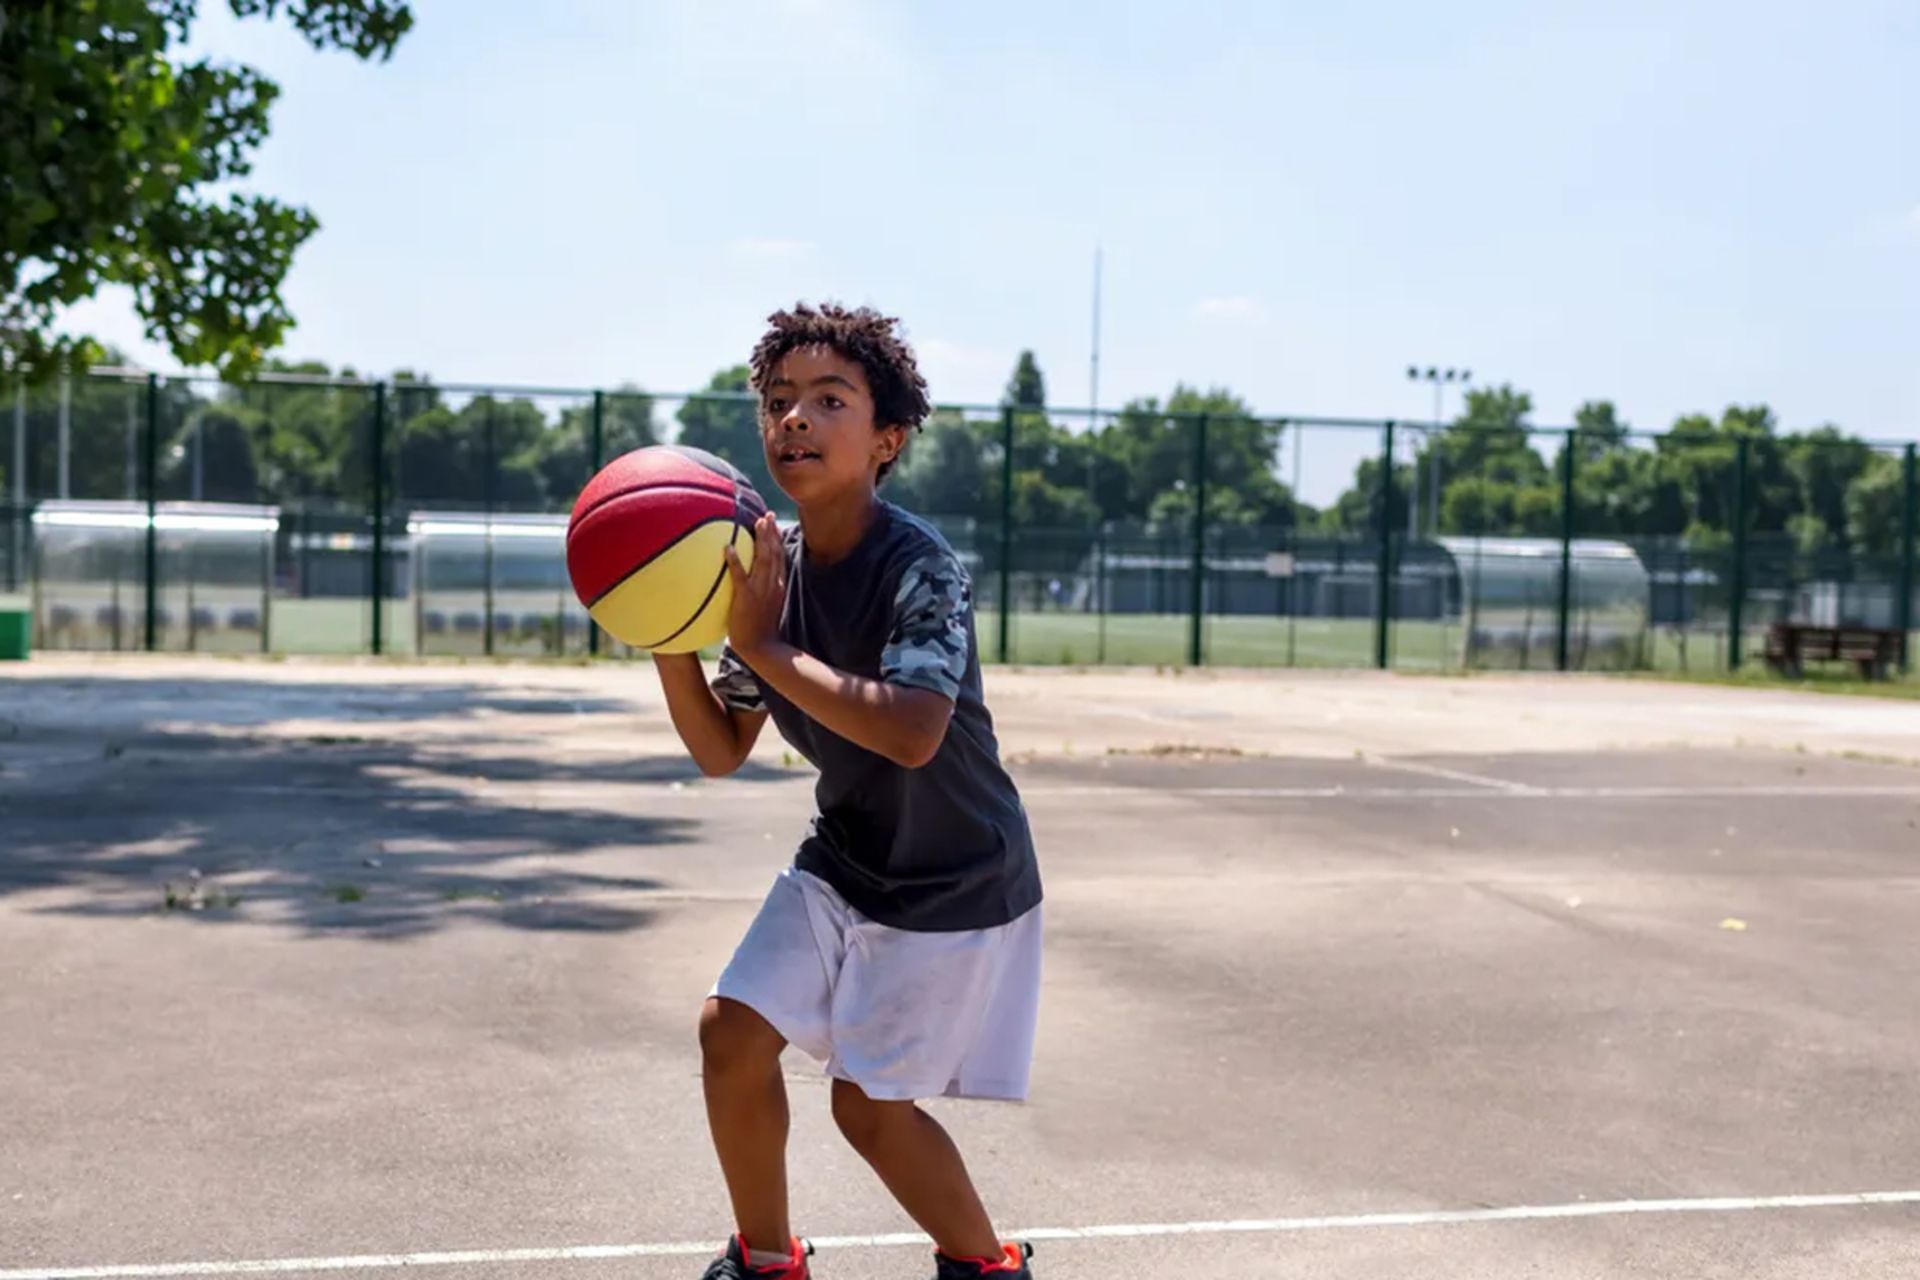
{"x":891,"y":440}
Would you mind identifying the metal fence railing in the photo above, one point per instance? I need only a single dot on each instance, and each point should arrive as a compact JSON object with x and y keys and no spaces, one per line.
{"x":310,"y":513}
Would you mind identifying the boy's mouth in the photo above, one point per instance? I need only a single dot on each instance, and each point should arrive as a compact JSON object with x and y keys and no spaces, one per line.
{"x":794,"y":454}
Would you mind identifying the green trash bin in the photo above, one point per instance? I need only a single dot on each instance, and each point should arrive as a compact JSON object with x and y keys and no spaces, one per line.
{"x":16,"y":629}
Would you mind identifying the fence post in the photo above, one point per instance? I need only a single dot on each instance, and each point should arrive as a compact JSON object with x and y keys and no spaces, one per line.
{"x":17,"y":515}
{"x":1383,"y":606}
{"x":379,"y":475}
{"x":1100,"y":588}
{"x":1909,"y":517}
{"x":486,"y":487}
{"x":1006,"y":527}
{"x":1736,"y":607}
{"x":596,"y":458}
{"x":65,"y":476}
{"x":1562,"y":654}
{"x":1199,"y":602}
{"x":151,"y":481}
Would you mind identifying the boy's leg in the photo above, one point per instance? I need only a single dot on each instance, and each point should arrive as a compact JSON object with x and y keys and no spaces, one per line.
{"x":921,"y":1167}
{"x":747,"y":1112}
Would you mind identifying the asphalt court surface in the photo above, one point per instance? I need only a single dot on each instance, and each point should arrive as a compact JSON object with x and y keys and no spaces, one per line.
{"x":1309,"y":1009}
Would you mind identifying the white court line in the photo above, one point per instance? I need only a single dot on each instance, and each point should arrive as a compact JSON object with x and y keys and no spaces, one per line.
{"x":1513,"y":791}
{"x":1481,"y":793}
{"x":1451,"y":775}
{"x":1116,"y":1231}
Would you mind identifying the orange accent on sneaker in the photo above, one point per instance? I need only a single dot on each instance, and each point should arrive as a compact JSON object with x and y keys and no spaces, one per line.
{"x":1012,"y":1258}
{"x":795,"y":1267}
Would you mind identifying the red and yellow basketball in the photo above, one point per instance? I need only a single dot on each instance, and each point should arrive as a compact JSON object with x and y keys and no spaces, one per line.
{"x":646,"y":548}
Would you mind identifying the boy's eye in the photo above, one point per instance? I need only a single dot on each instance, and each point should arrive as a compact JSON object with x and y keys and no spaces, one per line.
{"x":833,"y":402}
{"x":777,"y":405}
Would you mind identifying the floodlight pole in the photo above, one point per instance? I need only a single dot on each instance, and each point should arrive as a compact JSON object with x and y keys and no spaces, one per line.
{"x":1439,"y":378}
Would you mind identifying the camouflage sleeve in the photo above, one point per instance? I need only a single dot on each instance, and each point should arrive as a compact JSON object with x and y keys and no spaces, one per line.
{"x":736,"y":686}
{"x":927,"y":645}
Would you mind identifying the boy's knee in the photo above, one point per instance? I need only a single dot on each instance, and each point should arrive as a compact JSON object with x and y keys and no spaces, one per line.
{"x":864,"y":1122}
{"x":734,"y":1040}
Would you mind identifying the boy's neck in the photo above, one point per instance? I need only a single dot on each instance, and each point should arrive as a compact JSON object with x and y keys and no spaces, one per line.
{"x":832,"y":530}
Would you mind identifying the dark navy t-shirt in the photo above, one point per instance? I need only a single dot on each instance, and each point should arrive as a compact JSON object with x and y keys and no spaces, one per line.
{"x":939,"y":848}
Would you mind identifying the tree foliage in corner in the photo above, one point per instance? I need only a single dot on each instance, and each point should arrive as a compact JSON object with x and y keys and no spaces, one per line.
{"x":104,"y":146}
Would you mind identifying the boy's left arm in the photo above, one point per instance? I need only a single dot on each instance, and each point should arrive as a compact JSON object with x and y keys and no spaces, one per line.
{"x":905,"y":722}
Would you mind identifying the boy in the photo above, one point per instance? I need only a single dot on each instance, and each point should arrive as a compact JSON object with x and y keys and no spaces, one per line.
{"x":902,"y":947}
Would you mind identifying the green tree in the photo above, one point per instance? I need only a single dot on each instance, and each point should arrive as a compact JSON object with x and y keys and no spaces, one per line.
{"x":487,"y":453}
{"x":1149,"y":451}
{"x":1051,"y":465}
{"x":1488,"y":449}
{"x":1598,"y":431}
{"x":1486,"y":454}
{"x":1357,"y":510}
{"x":1613,"y":493}
{"x":566,"y":453}
{"x":1151,"y":455}
{"x":212,"y":457}
{"x":1475,"y":505}
{"x":107,"y":148}
{"x":1603,"y":464}
{"x":1491,"y":438}
{"x":728,"y":425}
{"x":106,"y":425}
{"x":1825,"y":464}
{"x":1040,"y":504}
{"x":1874,"y":506}
{"x":1536,"y":511}
{"x":1697,"y":464}
{"x":315,"y":439}
{"x":944,"y":472}
{"x":1026,"y":389}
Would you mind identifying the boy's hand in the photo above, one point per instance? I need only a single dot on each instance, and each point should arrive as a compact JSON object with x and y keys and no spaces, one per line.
{"x":759,"y":596}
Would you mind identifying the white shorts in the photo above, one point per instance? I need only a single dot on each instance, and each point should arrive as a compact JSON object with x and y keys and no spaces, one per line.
{"x":904,"y":1015}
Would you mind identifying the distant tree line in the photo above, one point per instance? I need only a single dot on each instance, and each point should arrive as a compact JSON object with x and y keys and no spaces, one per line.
{"x":1493,"y":472}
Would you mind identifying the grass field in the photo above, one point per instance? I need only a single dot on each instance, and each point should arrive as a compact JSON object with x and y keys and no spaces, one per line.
{"x":1236,"y":641}
{"x":342,"y":627}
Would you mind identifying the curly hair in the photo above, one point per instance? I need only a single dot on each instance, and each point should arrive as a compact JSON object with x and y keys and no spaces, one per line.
{"x":861,"y":335}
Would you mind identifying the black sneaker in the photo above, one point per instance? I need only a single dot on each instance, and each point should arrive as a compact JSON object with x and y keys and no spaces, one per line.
{"x":1010,"y":1265}
{"x":732,"y":1265}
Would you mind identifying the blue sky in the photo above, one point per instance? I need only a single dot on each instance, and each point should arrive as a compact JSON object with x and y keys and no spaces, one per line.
{"x":1677,"y":206}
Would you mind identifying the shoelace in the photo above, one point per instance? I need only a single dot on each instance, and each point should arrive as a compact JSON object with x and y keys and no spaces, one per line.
{"x":725,"y":1267}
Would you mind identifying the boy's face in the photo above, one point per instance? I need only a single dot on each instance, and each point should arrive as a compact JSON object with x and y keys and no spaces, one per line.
{"x":816,"y":424}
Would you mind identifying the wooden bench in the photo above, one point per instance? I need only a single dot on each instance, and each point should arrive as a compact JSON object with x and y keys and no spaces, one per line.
{"x":1874,"y":651}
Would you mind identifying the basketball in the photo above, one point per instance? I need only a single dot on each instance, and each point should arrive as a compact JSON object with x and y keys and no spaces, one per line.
{"x":646,"y":547}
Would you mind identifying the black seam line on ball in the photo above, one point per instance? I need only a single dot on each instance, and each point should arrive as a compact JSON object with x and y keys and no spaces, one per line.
{"x":621,"y":580}
{"x":646,"y":488}
{"x":695,"y":615}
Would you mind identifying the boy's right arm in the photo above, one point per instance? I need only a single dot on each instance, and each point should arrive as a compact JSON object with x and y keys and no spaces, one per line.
{"x":717,"y":737}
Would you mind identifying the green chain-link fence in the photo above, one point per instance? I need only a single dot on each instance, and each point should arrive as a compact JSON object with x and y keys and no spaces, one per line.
{"x":307,"y":514}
